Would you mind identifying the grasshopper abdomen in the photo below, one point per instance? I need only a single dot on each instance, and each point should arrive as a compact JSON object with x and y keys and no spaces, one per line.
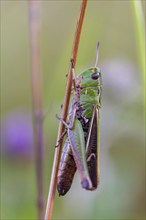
{"x":67,"y":169}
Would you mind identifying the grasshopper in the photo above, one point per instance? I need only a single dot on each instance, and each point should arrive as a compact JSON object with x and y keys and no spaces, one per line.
{"x":81,"y":146}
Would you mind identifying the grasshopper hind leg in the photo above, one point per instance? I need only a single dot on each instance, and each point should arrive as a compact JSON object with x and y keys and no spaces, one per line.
{"x":92,"y":149}
{"x":92,"y":168}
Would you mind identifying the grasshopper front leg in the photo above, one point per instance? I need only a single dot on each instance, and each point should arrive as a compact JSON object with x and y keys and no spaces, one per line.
{"x":73,"y":74}
{"x":68,"y":126}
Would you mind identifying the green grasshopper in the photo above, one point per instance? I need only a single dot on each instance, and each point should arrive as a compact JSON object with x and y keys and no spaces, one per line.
{"x":81,"y":147}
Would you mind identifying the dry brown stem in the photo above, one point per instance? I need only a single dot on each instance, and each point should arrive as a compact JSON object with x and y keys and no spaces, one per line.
{"x":34,"y":29}
{"x":53,"y":183}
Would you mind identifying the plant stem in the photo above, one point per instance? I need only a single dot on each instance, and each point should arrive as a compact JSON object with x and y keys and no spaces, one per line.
{"x":34,"y":31}
{"x":140,"y":31}
{"x":53,"y":183}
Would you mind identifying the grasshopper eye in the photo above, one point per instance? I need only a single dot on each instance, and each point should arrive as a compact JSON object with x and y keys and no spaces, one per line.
{"x":95,"y":75}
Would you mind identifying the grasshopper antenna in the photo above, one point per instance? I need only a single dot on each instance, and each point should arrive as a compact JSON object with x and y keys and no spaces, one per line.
{"x":97,"y":54}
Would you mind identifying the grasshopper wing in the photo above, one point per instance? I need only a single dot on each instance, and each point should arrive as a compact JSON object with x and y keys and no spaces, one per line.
{"x":92,"y":149}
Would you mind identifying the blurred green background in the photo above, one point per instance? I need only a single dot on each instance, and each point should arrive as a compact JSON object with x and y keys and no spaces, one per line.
{"x":121,"y":194}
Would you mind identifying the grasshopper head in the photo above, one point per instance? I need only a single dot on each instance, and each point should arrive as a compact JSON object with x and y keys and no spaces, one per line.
{"x":95,"y":73}
{"x":90,"y":77}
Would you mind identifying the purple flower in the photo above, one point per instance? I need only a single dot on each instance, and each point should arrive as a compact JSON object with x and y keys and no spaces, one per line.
{"x":17,"y":134}
{"x":121,"y":82}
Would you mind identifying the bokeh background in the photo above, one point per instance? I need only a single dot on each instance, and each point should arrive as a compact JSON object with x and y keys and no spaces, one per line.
{"x":121,"y":194}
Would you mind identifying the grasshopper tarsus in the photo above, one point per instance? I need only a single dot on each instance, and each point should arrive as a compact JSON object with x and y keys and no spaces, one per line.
{"x":73,"y":73}
{"x":57,"y":116}
{"x":60,"y":119}
{"x":60,"y":138}
{"x":72,"y":63}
